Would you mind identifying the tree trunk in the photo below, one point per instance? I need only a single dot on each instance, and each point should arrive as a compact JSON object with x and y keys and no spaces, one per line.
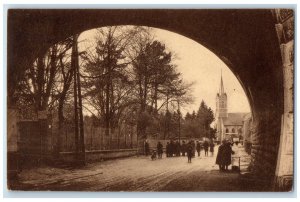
{"x":74,"y":67}
{"x":81,"y":125}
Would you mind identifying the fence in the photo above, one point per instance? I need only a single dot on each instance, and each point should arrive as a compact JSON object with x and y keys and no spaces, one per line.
{"x":122,"y":137}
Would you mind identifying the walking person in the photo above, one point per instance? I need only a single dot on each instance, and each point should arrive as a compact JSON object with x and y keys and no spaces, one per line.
{"x":198,"y":148}
{"x":212,"y":148}
{"x":159,"y":150}
{"x":205,"y":145}
{"x":189,"y":152}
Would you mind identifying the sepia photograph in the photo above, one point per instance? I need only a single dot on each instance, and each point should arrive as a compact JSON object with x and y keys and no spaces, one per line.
{"x":150,"y":100}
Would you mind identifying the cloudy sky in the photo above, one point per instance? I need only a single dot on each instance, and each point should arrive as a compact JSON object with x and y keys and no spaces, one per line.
{"x":199,"y":65}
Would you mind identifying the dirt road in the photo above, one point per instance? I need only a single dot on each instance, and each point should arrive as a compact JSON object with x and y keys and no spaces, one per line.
{"x":138,"y":174}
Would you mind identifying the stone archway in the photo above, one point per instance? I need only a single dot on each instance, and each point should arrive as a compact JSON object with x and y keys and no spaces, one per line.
{"x":246,"y":40}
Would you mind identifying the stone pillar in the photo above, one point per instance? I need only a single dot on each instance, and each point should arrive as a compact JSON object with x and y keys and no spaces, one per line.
{"x":284,"y":169}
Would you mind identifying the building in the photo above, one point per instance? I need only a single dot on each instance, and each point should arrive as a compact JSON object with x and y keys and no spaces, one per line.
{"x":229,"y":125}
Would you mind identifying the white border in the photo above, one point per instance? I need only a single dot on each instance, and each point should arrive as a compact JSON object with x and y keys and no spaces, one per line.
{"x":114,"y":4}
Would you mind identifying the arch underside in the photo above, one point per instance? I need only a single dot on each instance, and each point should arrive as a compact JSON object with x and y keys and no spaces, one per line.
{"x":244,"y":39}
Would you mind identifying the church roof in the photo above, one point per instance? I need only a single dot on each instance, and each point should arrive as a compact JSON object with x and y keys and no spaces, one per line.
{"x":234,"y":119}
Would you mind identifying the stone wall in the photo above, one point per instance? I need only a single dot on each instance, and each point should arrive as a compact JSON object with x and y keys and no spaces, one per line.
{"x":284,"y":170}
{"x":98,"y":155}
{"x":272,"y":133}
{"x":265,"y":139}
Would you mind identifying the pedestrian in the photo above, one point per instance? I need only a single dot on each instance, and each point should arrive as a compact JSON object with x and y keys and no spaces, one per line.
{"x":146,"y":148}
{"x":205,"y":145}
{"x":227,"y":155}
{"x":212,"y":148}
{"x":183,"y":148}
{"x":159,"y":150}
{"x":189,"y":152}
{"x":220,"y":156}
{"x":198,"y":148}
{"x":168,"y":149}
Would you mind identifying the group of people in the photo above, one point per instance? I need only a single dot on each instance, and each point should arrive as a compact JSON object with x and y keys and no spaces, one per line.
{"x":175,"y":148}
{"x":192,"y":146}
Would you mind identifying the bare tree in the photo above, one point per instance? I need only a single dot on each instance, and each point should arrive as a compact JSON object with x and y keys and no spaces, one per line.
{"x":37,"y":89}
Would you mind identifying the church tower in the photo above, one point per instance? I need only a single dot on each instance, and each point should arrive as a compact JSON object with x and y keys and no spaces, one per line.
{"x":221,"y":110}
{"x":221,"y":102}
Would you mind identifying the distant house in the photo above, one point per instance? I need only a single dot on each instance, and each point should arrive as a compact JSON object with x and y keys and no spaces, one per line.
{"x":229,"y":125}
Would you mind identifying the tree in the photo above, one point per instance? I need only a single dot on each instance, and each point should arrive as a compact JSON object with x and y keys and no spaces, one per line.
{"x":37,"y":89}
{"x":151,"y":60}
{"x":107,"y":83}
{"x":197,"y":125}
{"x":205,"y":117}
{"x":188,"y":116}
{"x":156,"y":78}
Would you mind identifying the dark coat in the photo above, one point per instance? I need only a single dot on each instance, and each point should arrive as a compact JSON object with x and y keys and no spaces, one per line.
{"x":189,"y":149}
{"x":205,"y":145}
{"x":224,"y":154}
{"x":198,"y":147}
{"x":159,"y":148}
{"x":227,"y":154}
{"x":219,"y":159}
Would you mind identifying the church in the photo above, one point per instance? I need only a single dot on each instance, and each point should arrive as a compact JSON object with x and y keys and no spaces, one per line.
{"x":228,"y":125}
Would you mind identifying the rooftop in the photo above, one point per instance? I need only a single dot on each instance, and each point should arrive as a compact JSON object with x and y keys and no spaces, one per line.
{"x":234,"y":119}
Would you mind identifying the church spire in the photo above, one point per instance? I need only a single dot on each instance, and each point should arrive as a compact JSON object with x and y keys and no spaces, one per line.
{"x":221,"y":85}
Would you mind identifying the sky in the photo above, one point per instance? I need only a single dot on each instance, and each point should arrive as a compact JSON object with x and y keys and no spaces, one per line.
{"x":199,"y":65}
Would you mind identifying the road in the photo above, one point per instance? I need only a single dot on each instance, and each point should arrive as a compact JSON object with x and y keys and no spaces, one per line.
{"x":137,"y":174}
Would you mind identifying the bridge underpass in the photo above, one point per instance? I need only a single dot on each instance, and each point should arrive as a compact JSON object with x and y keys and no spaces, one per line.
{"x":257,"y":45}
